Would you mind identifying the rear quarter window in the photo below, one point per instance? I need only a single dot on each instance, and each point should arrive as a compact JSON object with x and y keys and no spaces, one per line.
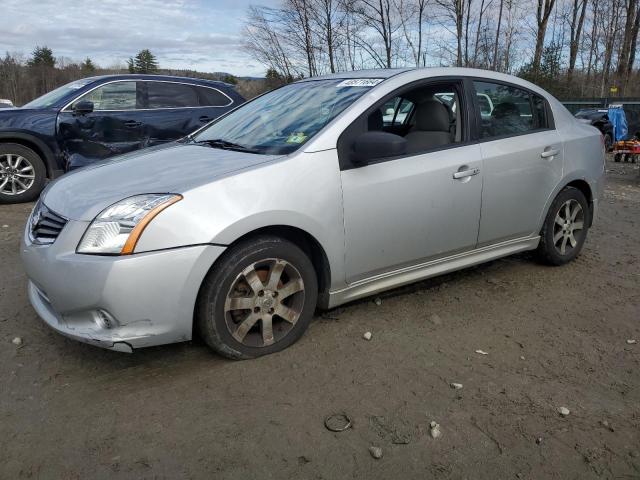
{"x":211,"y":97}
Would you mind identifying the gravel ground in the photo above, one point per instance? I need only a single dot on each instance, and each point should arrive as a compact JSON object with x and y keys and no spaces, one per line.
{"x":554,"y":337}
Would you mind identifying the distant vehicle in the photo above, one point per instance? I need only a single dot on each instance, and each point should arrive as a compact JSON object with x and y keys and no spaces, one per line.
{"x":633,"y":123}
{"x":304,"y":198}
{"x":96,"y":118}
{"x":4,"y":103}
{"x":599,"y":118}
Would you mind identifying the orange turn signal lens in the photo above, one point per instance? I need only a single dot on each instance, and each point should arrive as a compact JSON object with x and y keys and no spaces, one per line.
{"x":134,"y":236}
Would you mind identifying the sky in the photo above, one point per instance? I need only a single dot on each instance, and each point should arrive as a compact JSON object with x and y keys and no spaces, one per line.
{"x":203,"y":35}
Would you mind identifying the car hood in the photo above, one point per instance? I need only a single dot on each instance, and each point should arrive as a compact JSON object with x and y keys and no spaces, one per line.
{"x":82,"y":194}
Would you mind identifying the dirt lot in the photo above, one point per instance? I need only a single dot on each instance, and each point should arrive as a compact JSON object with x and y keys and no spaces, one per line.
{"x":554,"y":336}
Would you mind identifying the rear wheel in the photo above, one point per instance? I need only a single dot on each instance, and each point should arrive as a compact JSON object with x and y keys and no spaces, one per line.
{"x":22,"y":173}
{"x":258,"y":299}
{"x":608,"y":142}
{"x":565,"y":228}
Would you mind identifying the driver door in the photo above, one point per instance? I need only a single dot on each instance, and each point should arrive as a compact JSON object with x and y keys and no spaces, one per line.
{"x":114,"y":126}
{"x":400,"y":212}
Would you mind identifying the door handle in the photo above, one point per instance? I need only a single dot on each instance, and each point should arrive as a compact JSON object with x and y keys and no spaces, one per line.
{"x":549,"y":152}
{"x":469,"y":172}
{"x":205,"y":119}
{"x":132,"y":124}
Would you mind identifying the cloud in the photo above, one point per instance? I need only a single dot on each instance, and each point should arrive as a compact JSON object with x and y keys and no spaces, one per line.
{"x":195,"y":34}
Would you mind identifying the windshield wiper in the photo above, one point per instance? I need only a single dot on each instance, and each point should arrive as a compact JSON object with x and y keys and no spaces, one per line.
{"x":226,"y":145}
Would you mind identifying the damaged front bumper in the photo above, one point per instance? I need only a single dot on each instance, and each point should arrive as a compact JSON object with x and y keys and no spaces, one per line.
{"x":116,"y":302}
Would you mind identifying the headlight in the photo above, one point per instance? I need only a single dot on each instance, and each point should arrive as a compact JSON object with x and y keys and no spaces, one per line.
{"x":116,"y":230}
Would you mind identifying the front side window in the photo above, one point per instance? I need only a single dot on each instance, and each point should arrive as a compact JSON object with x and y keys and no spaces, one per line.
{"x":113,"y":96}
{"x":506,"y":110}
{"x":281,"y":121}
{"x":427,"y":117}
{"x":171,"y":95}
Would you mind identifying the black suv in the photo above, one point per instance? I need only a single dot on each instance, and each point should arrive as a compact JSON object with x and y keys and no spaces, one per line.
{"x":599,"y":118}
{"x":99,"y":117}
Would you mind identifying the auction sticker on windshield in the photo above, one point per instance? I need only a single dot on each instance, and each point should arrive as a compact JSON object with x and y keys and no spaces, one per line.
{"x":360,"y":82}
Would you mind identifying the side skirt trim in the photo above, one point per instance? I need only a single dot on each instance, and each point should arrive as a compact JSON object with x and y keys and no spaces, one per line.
{"x":414,"y":273}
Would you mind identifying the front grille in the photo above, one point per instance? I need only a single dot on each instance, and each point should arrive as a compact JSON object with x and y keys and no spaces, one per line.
{"x":45,"y":225}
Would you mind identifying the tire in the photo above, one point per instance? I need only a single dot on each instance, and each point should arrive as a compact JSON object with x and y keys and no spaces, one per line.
{"x":608,"y":142}
{"x":239,"y":291}
{"x":557,"y":232}
{"x":22,"y":174}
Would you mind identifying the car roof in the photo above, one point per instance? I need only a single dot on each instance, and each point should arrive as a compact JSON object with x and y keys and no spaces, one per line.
{"x":432,"y":72}
{"x":166,"y":78}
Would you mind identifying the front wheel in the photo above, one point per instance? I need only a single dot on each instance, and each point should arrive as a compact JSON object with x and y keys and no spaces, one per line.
{"x":22,"y":174}
{"x":259,"y":298}
{"x":565,"y":228}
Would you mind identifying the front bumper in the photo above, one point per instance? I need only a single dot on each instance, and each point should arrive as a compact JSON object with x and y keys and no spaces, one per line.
{"x":116,"y":302}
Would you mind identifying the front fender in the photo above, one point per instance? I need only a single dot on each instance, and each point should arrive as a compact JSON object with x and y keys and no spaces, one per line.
{"x":25,"y":137}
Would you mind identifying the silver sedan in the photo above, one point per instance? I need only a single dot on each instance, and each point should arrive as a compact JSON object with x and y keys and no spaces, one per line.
{"x":307,"y":197}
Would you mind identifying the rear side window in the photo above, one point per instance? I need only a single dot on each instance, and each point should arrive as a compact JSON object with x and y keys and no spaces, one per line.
{"x":508,"y":110}
{"x":210,"y":97}
{"x":539,"y":112}
{"x":171,"y":95}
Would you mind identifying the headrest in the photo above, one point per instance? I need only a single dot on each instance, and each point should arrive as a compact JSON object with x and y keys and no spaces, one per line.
{"x":375,"y":121}
{"x":433,"y":116}
{"x":505,"y":109}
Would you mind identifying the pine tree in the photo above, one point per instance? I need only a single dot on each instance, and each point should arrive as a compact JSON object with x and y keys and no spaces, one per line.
{"x":87,"y":67}
{"x":42,"y":57}
{"x":144,"y":62}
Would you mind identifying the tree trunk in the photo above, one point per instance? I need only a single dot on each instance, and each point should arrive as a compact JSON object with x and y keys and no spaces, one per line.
{"x":494,"y":65}
{"x":623,"y":59}
{"x":576,"y":31}
{"x":545,"y":7}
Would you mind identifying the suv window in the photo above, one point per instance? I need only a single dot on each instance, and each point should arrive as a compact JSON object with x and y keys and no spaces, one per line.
{"x":113,"y":96}
{"x":171,"y":95}
{"x":210,"y":97}
{"x":515,"y":111}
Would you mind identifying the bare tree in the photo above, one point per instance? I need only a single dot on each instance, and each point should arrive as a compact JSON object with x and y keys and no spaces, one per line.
{"x":454,"y":10}
{"x":578,"y":11}
{"x":263,"y":41}
{"x":411,"y":15}
{"x":545,"y":7}
{"x":494,"y":63}
{"x":631,"y":8}
{"x":378,"y":15}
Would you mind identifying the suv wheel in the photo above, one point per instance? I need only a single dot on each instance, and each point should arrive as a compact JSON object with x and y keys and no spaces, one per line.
{"x":565,"y":228}
{"x":258,"y":299}
{"x":22,"y":173}
{"x":608,"y":142}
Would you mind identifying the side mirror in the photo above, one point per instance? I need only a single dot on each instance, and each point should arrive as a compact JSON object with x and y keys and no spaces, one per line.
{"x":374,"y":145}
{"x":83,"y":107}
{"x":389,"y":111}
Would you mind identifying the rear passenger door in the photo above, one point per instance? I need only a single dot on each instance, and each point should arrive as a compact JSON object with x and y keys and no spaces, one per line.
{"x":522,"y":157}
{"x":174,"y":109}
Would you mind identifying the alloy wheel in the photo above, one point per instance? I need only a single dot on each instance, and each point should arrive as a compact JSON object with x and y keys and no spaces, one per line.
{"x":17,"y":174}
{"x":568,"y":227}
{"x":264,"y":302}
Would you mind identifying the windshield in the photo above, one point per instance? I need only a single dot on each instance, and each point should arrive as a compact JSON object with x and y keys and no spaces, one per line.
{"x":53,"y":96}
{"x":281,"y":121}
